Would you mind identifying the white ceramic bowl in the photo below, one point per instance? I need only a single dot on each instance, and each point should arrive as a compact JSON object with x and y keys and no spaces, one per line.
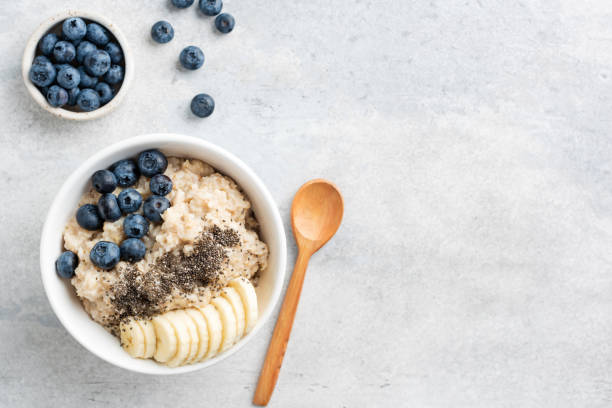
{"x":30,"y":52}
{"x":60,"y":292}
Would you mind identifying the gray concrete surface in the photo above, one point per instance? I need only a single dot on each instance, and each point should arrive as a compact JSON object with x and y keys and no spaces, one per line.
{"x":471,"y":140}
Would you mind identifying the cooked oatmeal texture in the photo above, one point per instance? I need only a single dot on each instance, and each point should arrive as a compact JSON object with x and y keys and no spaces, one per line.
{"x":208,"y":237}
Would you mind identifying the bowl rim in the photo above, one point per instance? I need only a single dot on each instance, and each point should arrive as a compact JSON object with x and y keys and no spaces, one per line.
{"x":30,"y":51}
{"x":82,"y":172}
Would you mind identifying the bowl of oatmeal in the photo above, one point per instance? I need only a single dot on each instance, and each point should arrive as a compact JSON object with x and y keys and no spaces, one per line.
{"x":220,"y":230}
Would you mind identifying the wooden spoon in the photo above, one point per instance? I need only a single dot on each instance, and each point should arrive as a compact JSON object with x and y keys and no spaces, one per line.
{"x":316,"y":214}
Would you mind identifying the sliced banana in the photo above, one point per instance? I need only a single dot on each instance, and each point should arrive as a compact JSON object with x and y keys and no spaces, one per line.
{"x":249,"y":299}
{"x":228,"y":321}
{"x":202,"y":327}
{"x":232,"y":296}
{"x":183,"y":339}
{"x":215,"y":330}
{"x":132,"y":337}
{"x":149,"y":337}
{"x":193,"y":334}
{"x":165,"y":334}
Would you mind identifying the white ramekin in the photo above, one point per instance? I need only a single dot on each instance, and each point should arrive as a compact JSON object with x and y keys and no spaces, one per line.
{"x":30,"y":52}
{"x":60,"y":292}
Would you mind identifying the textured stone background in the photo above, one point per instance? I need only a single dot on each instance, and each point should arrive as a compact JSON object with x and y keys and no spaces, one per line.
{"x":471,"y":140}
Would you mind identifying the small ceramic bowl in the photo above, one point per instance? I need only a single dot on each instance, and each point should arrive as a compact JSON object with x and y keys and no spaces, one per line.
{"x":31,"y":50}
{"x":62,"y":295}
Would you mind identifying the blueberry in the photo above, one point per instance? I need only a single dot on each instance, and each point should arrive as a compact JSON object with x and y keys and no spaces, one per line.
{"x":135,"y":226}
{"x":114,"y":51}
{"x":42,"y":73}
{"x":129,"y":200}
{"x":57,"y":96}
{"x":126,"y":172}
{"x":63,"y":51}
{"x":104,"y":91}
{"x":68,"y":77}
{"x":41,"y":60}
{"x":88,"y":217}
{"x":154,"y":206}
{"x":88,"y":100}
{"x":97,"y":62}
{"x":84,"y":48}
{"x":224,"y":23}
{"x":160,"y":185}
{"x":73,"y":94}
{"x":192,"y":57}
{"x":182,"y":3}
{"x":202,"y":105}
{"x":132,"y":250}
{"x":74,"y":28}
{"x":97,"y":34}
{"x":66,"y":264}
{"x":59,"y":67}
{"x":47,"y":43}
{"x":104,"y":181}
{"x":114,"y":75}
{"x":105,"y":255}
{"x":210,"y":7}
{"x":87,"y":81}
{"x":152,"y":162}
{"x":108,"y":207}
{"x":162,"y":32}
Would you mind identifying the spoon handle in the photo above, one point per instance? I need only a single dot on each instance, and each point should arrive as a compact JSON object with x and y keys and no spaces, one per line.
{"x":282,"y":330}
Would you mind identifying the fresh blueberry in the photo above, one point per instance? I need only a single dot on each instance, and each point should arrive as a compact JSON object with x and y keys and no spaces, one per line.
{"x":109,"y":208}
{"x":210,"y":7}
{"x":160,"y":185}
{"x":73,"y":94}
{"x":88,"y":100}
{"x":192,"y":57}
{"x":152,"y":162}
{"x":97,"y":62}
{"x":104,"y":91}
{"x":66,"y":264}
{"x":87,"y":81}
{"x":224,"y":23}
{"x":97,"y":34}
{"x":162,"y":32}
{"x":114,"y":51}
{"x":59,"y":67}
{"x":132,"y":250}
{"x":74,"y":28}
{"x":104,"y":181}
{"x":42,"y":73}
{"x":105,"y":255}
{"x":182,"y":3}
{"x":63,"y":51}
{"x":41,"y":60}
{"x":57,"y":96}
{"x":84,"y":48}
{"x":114,"y":75}
{"x":126,"y":172}
{"x":47,"y":43}
{"x":202,"y":105}
{"x":88,"y":217}
{"x":68,"y":77}
{"x":154,"y":206}
{"x":129,"y":200}
{"x":135,"y":226}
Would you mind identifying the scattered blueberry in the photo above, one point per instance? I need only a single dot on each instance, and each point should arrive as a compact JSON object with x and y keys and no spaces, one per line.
{"x":88,"y":100}
{"x":105,"y":255}
{"x":192,"y":57}
{"x":129,"y":200}
{"x":66,"y":264}
{"x":114,"y":51}
{"x":202,"y":105}
{"x":135,"y":226}
{"x":152,"y":162}
{"x":97,"y":34}
{"x":162,"y":32}
{"x":104,"y":91}
{"x":114,"y":75}
{"x":224,"y":23}
{"x":88,"y":217}
{"x":154,"y":206}
{"x":73,"y":94}
{"x":84,"y":48}
{"x":74,"y":28}
{"x":160,"y":185}
{"x":42,"y":73}
{"x":87,"y":81}
{"x":68,"y":77}
{"x":132,"y":250}
{"x":182,"y":3}
{"x":109,"y":208}
{"x":63,"y":51}
{"x":47,"y":43}
{"x":210,"y":7}
{"x":126,"y":172}
{"x":57,"y":96}
{"x":97,"y":62}
{"x":104,"y":181}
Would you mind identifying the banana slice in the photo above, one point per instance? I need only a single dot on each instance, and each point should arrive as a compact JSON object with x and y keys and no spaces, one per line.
{"x":202,"y":327}
{"x":193,"y":334}
{"x":249,"y":300}
{"x":132,"y":337}
{"x":215,"y":330}
{"x":149,"y":338}
{"x":183,"y":339}
{"x":165,"y":334}
{"x":228,"y":321}
{"x":232,"y":296}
